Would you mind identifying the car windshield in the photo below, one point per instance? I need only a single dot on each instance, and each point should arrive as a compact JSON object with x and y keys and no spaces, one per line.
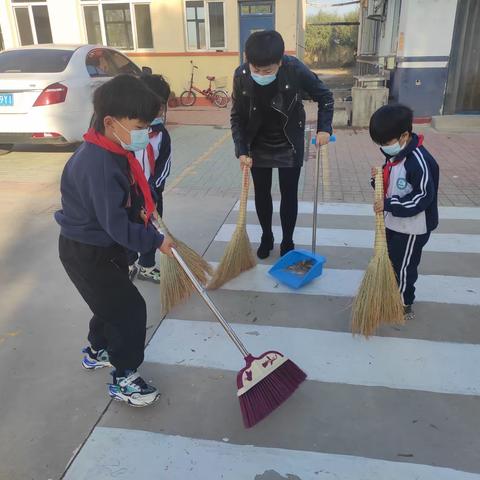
{"x":34,"y":61}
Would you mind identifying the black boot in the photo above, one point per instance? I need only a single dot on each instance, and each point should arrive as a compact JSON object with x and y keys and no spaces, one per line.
{"x":266,"y":246}
{"x":285,"y":247}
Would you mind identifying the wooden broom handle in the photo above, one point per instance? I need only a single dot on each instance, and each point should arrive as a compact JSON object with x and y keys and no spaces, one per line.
{"x":380,"y":235}
{"x":242,"y":215}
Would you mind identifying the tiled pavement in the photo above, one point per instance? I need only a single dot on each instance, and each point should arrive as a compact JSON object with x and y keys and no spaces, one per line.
{"x":345,"y":175}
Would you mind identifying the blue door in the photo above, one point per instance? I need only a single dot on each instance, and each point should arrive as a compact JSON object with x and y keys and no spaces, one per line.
{"x":255,"y":16}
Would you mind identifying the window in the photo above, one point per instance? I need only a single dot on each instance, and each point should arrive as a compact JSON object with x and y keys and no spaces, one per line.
{"x":217,"y":28}
{"x":34,"y":61}
{"x":118,"y":26}
{"x":123,"y":25}
{"x":99,"y":63}
{"x":92,"y":23}
{"x":196,"y":25}
{"x":265,"y":8}
{"x":144,"y":26}
{"x":124,"y":65}
{"x":205,"y":24}
{"x":33,"y":22}
{"x":102,"y":62}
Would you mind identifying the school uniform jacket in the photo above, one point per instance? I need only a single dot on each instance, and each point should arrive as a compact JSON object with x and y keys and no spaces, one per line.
{"x":157,"y":169}
{"x":411,"y":197}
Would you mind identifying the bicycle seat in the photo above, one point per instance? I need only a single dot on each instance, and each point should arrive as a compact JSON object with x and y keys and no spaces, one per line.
{"x":210,"y":78}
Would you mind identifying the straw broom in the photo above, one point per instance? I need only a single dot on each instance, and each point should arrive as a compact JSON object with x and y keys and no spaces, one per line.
{"x":175,"y":286}
{"x":238,"y":256}
{"x":378,"y":299}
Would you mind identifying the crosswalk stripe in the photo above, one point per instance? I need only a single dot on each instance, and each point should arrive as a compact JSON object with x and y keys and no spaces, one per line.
{"x":336,"y":357}
{"x":378,"y":366}
{"x":122,"y":454}
{"x":345,"y":283}
{"x":339,"y":237}
{"x":365,"y":210}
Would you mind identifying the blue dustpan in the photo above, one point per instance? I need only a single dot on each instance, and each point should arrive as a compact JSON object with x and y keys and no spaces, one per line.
{"x":299,"y":267}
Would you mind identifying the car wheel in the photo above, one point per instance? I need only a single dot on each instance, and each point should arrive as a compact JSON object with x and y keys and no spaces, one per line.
{"x":6,"y":148}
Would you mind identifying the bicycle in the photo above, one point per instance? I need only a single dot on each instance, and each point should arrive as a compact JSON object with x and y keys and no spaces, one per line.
{"x":217,"y":96}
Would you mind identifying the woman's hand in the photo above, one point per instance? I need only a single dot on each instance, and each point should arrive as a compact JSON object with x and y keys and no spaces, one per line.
{"x":378,"y":206}
{"x":373,"y":172}
{"x":167,"y":245}
{"x":245,"y":161}
{"x":322,"y":138}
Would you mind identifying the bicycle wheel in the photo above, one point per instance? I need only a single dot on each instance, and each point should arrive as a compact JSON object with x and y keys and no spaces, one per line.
{"x":188,"y":98}
{"x":220,"y":98}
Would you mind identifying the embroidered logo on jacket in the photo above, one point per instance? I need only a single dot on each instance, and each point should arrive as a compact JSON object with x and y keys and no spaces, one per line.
{"x":401,"y":183}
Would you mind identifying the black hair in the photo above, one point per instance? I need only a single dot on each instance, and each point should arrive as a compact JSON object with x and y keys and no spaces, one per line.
{"x":389,"y":122}
{"x":264,"y":48}
{"x":124,"y":96}
{"x":158,"y":85}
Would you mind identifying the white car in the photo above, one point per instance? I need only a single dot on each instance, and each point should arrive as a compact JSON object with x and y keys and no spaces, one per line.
{"x":46,"y":90}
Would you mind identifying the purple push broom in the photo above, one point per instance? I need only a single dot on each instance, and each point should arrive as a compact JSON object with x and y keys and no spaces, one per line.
{"x":266,"y":381}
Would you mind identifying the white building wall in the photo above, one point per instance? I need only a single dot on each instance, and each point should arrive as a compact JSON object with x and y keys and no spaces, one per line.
{"x":66,"y":21}
{"x":427,"y":27}
{"x":7,"y":23}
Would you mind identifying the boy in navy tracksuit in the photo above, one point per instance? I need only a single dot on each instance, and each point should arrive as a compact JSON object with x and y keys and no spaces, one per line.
{"x":155,"y":161}
{"x":106,"y":206}
{"x":411,"y":177}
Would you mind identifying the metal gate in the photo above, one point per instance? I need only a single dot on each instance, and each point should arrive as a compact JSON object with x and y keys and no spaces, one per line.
{"x":463,"y":84}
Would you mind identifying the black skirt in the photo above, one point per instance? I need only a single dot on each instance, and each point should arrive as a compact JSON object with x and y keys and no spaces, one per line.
{"x":274,"y":158}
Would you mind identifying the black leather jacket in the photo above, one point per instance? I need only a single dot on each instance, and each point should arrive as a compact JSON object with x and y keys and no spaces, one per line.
{"x":294,"y":80}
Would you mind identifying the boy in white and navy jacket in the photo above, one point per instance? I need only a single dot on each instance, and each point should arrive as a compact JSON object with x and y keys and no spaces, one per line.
{"x":410,"y":177}
{"x":156,"y":161}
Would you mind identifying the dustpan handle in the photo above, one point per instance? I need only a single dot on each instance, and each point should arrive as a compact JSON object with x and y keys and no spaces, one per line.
{"x":323,"y":152}
{"x":211,"y":305}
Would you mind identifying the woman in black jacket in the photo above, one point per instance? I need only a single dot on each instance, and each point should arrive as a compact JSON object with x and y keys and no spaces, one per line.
{"x":268,"y":127}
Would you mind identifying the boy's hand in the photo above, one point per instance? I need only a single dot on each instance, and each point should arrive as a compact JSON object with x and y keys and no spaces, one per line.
{"x":378,"y":206}
{"x":166,"y":246}
{"x":245,"y":161}
{"x":373,"y":172}
{"x":323,"y":138}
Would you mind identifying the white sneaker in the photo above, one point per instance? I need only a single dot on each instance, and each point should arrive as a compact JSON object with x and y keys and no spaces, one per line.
{"x":133,"y":390}
{"x":132,"y":271}
{"x":151,"y":274}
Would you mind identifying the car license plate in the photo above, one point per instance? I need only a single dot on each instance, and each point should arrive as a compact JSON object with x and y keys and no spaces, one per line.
{"x":6,"y":99}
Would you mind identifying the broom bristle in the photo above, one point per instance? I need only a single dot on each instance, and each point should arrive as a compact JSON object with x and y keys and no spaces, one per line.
{"x":378,"y":300}
{"x":175,"y":286}
{"x":270,"y":392}
{"x":237,"y":258}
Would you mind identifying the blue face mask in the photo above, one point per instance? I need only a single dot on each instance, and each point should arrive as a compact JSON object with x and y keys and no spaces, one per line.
{"x":264,"y":80}
{"x":391,"y":150}
{"x":157,"y":121}
{"x":138,"y":139}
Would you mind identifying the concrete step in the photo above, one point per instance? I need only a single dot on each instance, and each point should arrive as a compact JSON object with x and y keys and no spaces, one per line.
{"x":457,"y":123}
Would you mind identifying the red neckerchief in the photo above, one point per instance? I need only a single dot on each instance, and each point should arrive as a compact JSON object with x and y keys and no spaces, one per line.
{"x":151,"y":153}
{"x":92,"y":136}
{"x":387,"y":168}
